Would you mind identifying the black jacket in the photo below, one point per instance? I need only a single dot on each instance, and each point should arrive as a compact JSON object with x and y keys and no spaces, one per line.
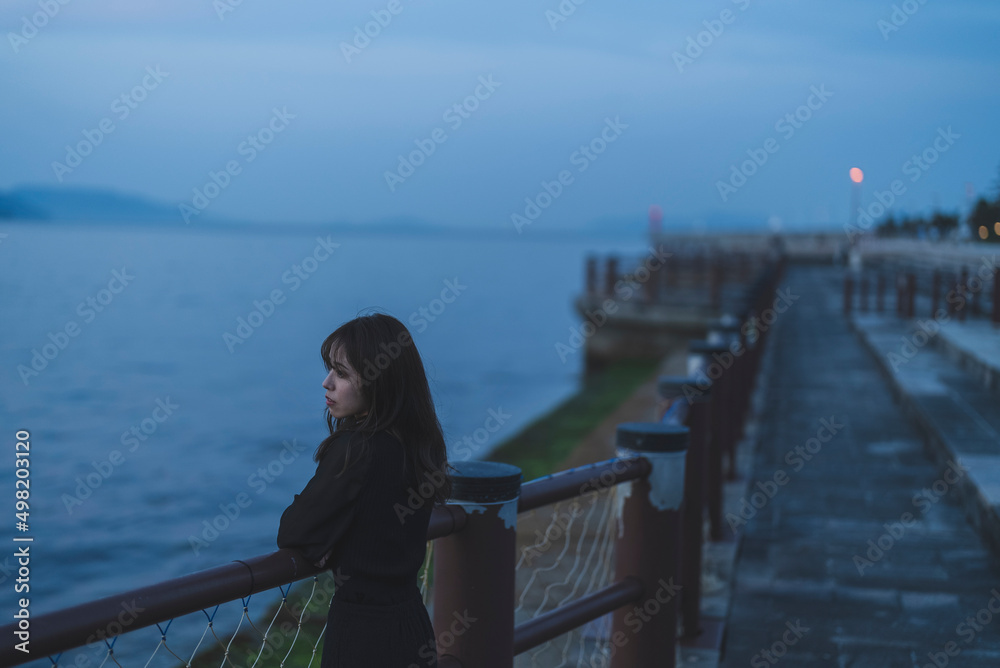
{"x":369,"y":522}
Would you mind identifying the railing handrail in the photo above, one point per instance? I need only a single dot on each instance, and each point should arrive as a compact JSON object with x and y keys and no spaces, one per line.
{"x":80,"y":625}
{"x":65,"y":629}
{"x":570,"y":483}
{"x":554,"y":623}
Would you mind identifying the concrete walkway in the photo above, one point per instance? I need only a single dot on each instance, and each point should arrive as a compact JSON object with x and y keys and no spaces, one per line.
{"x":855,"y":550}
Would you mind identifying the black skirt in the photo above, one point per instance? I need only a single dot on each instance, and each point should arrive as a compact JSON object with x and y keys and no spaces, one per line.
{"x":379,"y":632}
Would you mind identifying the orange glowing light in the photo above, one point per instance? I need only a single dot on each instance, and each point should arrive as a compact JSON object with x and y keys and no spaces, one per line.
{"x":857,"y":175}
{"x":983,"y":232}
{"x":996,"y":228}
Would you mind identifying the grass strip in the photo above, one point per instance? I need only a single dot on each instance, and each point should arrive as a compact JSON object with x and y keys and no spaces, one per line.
{"x":545,"y":443}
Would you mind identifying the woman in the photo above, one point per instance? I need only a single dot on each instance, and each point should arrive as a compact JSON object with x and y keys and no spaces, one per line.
{"x":357,"y":515}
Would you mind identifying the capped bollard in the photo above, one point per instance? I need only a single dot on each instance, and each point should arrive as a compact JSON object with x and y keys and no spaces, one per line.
{"x":728,"y":329}
{"x":715,"y":361}
{"x":686,"y":391}
{"x":474,"y":568}
{"x":647,"y":546}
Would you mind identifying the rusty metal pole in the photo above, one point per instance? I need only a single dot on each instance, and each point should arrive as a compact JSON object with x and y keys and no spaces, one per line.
{"x":911,"y":294}
{"x":647,"y":545}
{"x":474,"y":568}
{"x":695,"y":396}
{"x":935,"y":292}
{"x":610,"y":277}
{"x":718,"y":420}
{"x":728,"y":331}
{"x":651,"y":287}
{"x":591,"y":276}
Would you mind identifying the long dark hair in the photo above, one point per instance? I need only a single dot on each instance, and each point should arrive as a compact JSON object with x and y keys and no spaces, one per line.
{"x":392,"y":379}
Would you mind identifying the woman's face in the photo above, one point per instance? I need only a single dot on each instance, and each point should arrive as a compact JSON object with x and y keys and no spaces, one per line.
{"x":343,"y":396}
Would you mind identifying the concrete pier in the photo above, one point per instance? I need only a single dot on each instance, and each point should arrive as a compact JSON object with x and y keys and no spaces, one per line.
{"x":856,"y":546}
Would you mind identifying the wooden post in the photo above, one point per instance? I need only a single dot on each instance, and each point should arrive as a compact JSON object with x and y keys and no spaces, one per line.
{"x":648,"y":544}
{"x":474,"y":568}
{"x":687,"y":389}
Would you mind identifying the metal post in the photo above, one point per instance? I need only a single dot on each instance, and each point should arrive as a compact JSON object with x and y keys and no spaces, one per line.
{"x":474,"y":568}
{"x":648,"y":545}
{"x":651,"y":288}
{"x":935,"y":292}
{"x":911,"y":294}
{"x":610,"y":277}
{"x":863,"y":305}
{"x":591,"y":276}
{"x":728,"y":330}
{"x":879,"y":289}
{"x":719,"y":421}
{"x":695,"y":397}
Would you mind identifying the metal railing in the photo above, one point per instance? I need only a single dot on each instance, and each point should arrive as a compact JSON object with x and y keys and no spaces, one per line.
{"x":666,"y":468}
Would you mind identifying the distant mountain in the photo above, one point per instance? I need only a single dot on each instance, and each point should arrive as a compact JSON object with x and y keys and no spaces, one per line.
{"x":83,"y":204}
{"x":708,"y":223}
{"x":51,"y":203}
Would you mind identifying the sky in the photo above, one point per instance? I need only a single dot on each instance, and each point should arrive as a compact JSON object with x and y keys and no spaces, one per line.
{"x":290,"y":112}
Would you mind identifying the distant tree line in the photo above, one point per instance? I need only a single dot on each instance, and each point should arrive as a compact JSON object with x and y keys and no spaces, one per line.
{"x":983,"y":223}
